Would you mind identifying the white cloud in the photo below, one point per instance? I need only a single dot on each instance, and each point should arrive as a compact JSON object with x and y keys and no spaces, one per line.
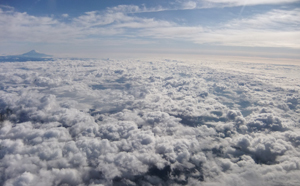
{"x":189,"y":5}
{"x":199,"y":4}
{"x":23,"y":27}
{"x":275,"y":19}
{"x":252,"y":38}
{"x":65,"y":15}
{"x":148,"y":122}
{"x":247,"y":2}
{"x":134,"y":9}
{"x":263,"y":30}
{"x":7,"y":8}
{"x":276,"y":28}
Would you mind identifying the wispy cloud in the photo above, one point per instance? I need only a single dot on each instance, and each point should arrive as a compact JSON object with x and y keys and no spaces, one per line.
{"x":192,"y":4}
{"x":276,"y":28}
{"x":65,"y":15}
{"x":135,"y":9}
{"x":6,"y":7}
{"x":274,"y":19}
{"x":248,"y":2}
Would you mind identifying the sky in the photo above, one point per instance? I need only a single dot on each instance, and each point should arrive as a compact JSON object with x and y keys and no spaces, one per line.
{"x":257,"y":28}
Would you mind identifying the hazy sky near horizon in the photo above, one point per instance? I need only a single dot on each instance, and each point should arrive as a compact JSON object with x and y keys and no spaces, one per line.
{"x":264,"y":28}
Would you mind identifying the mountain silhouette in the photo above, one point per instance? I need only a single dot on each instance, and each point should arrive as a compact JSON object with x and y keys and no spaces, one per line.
{"x":32,"y":55}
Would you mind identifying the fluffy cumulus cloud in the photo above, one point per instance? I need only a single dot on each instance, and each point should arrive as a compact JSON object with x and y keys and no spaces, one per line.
{"x":133,"y":122}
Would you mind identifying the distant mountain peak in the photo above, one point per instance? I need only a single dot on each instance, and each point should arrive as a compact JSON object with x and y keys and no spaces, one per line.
{"x":34,"y":53}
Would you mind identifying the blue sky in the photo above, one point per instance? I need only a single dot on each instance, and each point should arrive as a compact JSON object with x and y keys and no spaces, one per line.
{"x":260,"y":28}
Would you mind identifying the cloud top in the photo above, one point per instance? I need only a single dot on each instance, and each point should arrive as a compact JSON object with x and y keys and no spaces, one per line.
{"x":135,"y":122}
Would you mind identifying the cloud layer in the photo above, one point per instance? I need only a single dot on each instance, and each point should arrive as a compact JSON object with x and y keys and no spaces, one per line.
{"x":133,"y":122}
